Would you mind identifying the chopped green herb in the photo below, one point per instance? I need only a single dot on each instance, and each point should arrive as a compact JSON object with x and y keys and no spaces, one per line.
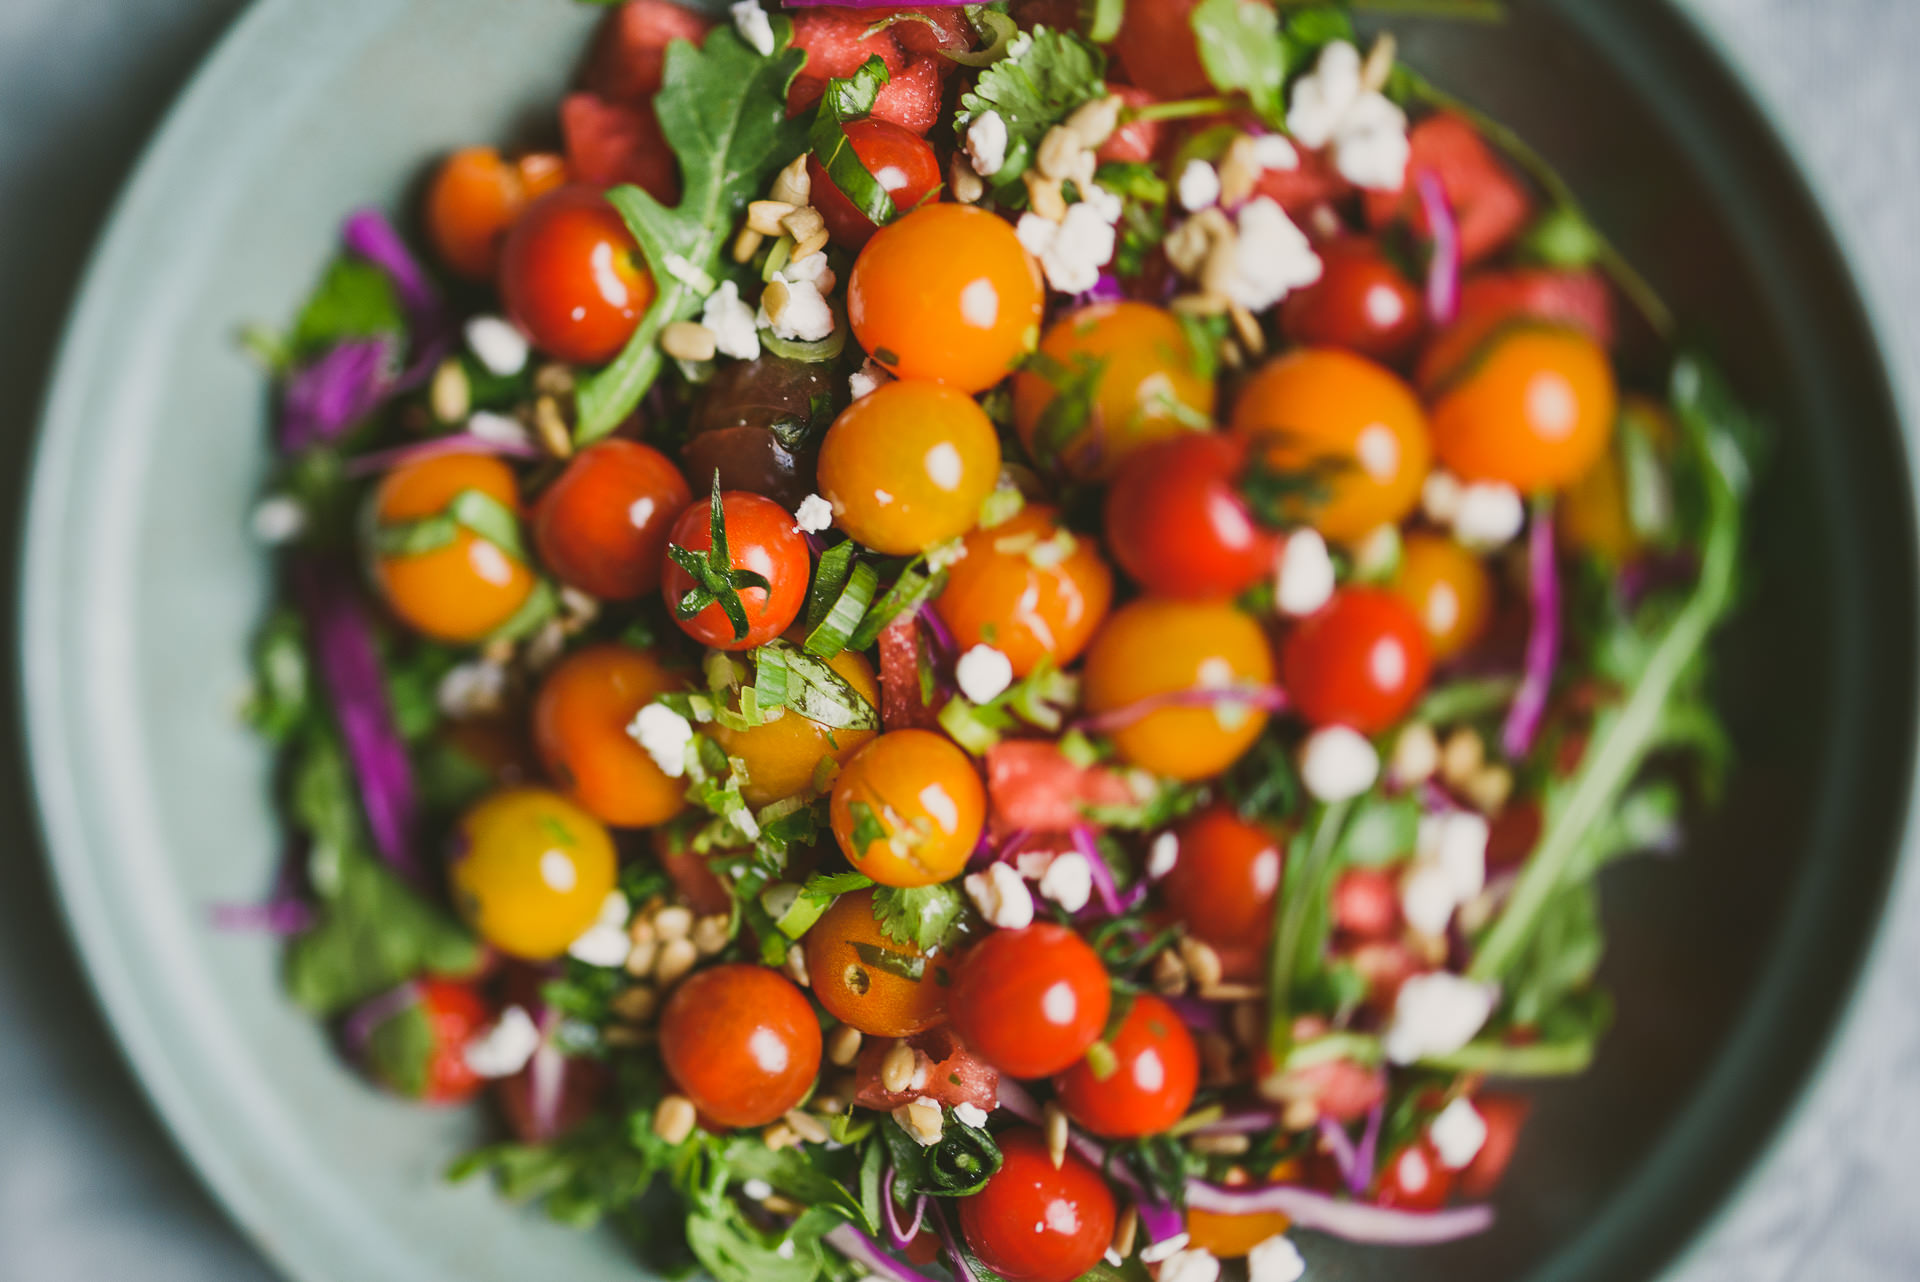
{"x":715,"y":579}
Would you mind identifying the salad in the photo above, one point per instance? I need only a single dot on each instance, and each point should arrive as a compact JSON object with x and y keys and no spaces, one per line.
{"x":1000,"y":639}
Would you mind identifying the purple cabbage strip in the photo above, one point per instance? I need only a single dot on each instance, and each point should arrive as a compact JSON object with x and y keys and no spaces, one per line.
{"x":341,"y":638}
{"x":873,"y":4}
{"x":1443,"y":271}
{"x":863,"y":1250}
{"x":1269,"y":698}
{"x":1103,"y":883}
{"x":1160,"y":1220}
{"x":368,"y":234}
{"x":1543,"y":640}
{"x":1365,"y":1157}
{"x":359,"y":1027}
{"x":987,"y":851}
{"x":1243,"y":1122}
{"x":1338,"y":1217}
{"x":338,"y":390}
{"x":275,"y":917}
{"x":943,"y":637}
{"x":956,"y":1253}
{"x":439,"y":446}
{"x":898,"y":1238}
{"x":546,"y":1079}
{"x":1339,"y":1146}
{"x":1107,"y":289}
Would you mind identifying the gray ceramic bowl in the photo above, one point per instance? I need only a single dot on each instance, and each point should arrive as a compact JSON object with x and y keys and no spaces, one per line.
{"x":141,"y":588}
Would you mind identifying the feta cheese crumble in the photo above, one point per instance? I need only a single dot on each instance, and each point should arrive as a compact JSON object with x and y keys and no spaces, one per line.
{"x":1276,"y":1260}
{"x":983,"y":674}
{"x":1437,"y":1014}
{"x":1440,"y":497}
{"x":1274,"y":151}
{"x":605,"y":943}
{"x":1199,"y":186}
{"x":1068,"y":881}
{"x":505,"y":1048}
{"x":501,"y":429}
{"x":496,"y":344}
{"x":1162,"y":855}
{"x":1072,"y":251}
{"x":471,"y":689}
{"x":987,"y":143}
{"x":806,"y":318}
{"x":1166,"y":1248}
{"x":278,"y":519}
{"x":665,"y":734}
{"x":751,"y":21}
{"x":1337,"y":763}
{"x":969,"y":1114}
{"x":1458,"y":1134}
{"x":734,"y":332}
{"x":1194,"y":1265}
{"x":1456,"y":843}
{"x":870,"y":375}
{"x":1001,"y":895}
{"x":813,"y":515}
{"x":1272,"y":258}
{"x":1303,"y":579}
{"x":1490,"y":515}
{"x":1364,"y":131}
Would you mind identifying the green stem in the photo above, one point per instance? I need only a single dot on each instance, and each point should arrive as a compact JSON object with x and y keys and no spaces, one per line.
{"x":1496,"y":1059}
{"x":1299,"y":892}
{"x":1182,"y":109}
{"x":1362,"y":1048}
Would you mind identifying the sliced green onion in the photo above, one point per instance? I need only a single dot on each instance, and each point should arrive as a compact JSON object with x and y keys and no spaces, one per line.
{"x":909,"y":592}
{"x":1100,"y":19}
{"x":770,"y":685}
{"x":777,"y":258}
{"x":827,"y":349}
{"x":830,"y":637}
{"x":415,"y":538}
{"x":974,"y":727}
{"x":491,"y":520}
{"x":1101,"y":1061}
{"x":987,"y":22}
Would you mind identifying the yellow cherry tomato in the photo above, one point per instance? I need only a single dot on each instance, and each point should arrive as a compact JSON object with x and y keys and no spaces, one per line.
{"x":1321,"y":405}
{"x":946,"y":294}
{"x":1029,"y":588}
{"x":781,"y":756}
{"x":1150,"y":385}
{"x":1153,"y":648}
{"x":908,"y":809}
{"x":1232,"y":1237}
{"x":531,"y":871}
{"x":867,"y":978}
{"x":465,"y":588}
{"x":1534,"y":411}
{"x":907,"y":466}
{"x":1449,"y":590}
{"x":580,"y":721}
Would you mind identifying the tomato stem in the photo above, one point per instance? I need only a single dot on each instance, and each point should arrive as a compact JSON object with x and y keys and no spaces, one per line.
{"x":1181,"y":109}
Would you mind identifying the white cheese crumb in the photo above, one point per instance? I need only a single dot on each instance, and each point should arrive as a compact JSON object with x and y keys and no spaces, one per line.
{"x":1376,"y":559}
{"x":1489,"y":516}
{"x":1337,"y":763}
{"x":1303,"y":580}
{"x":1440,"y":497}
{"x":970,"y":1115}
{"x":1073,"y":251}
{"x":942,"y":556}
{"x":614,"y":910}
{"x":471,"y":689}
{"x":1068,"y":881}
{"x":1162,"y":855}
{"x":1273,"y":257}
{"x":279,"y":518}
{"x":1458,"y":1134}
{"x":987,"y":143}
{"x":496,"y":344}
{"x":863,"y":381}
{"x":983,"y":674}
{"x":1155,"y":1252}
{"x":1001,"y":896}
{"x":813,"y":268}
{"x":1033,"y":864}
{"x":501,"y":429}
{"x":1456,"y":843}
{"x":1321,"y":96}
{"x":734,"y":332}
{"x":1427,"y":900}
{"x":1103,"y":202}
{"x":503,"y":1049}
{"x":601,"y":945}
{"x":1274,"y":151}
{"x":1437,"y":1014}
{"x":1364,"y":130}
{"x":1195,"y":1265}
{"x":751,"y":21}
{"x":756,"y":1189}
{"x":813,"y":515}
{"x":1199,"y":186}
{"x":665,"y":734}
{"x":806,"y":318}
{"x":1276,"y":1260}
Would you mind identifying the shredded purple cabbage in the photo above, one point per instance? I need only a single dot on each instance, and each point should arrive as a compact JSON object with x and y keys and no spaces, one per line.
{"x":1269,"y":698}
{"x":546,"y":1078}
{"x":1368,"y":1154}
{"x":1197,"y":1013}
{"x":988,"y":851}
{"x":1338,"y":1217}
{"x":342,"y":642}
{"x":897,"y":1237}
{"x":943,"y":637}
{"x":368,"y":234}
{"x":1246,"y":1121}
{"x":1529,"y":705}
{"x":863,"y":1250}
{"x":439,"y":446}
{"x":1443,"y":269}
{"x":873,"y":4}
{"x":1103,"y":883}
{"x":337,"y":391}
{"x":1107,"y":289}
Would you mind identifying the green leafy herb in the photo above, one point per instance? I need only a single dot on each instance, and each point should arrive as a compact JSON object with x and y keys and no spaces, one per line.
{"x":715,"y":579}
{"x":1300,"y":918}
{"x":1284,"y":497}
{"x":847,"y":100}
{"x":1240,"y":47}
{"x":1068,"y":415}
{"x":1264,"y":784}
{"x":914,"y":588}
{"x":400,"y":1048}
{"x":958,"y":1165}
{"x":923,"y":916}
{"x":282,"y":698}
{"x":867,"y":827}
{"x":589,"y":1173}
{"x":1382,"y":829}
{"x":814,"y":898}
{"x":353,"y":300}
{"x":813,"y":689}
{"x":1043,"y":78}
{"x":1563,"y":238}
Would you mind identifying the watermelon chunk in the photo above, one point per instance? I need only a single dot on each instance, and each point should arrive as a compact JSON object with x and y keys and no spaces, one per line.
{"x":1137,"y":142}
{"x":630,"y":53}
{"x":1489,"y":201}
{"x":1032,"y":785}
{"x":837,"y":44}
{"x":611,"y":142}
{"x":1490,"y":300}
{"x":901,"y":707}
{"x":955,"y":1075}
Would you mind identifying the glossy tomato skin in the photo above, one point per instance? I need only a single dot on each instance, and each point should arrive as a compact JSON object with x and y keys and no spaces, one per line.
{"x":760,"y":537}
{"x":1029,"y":606}
{"x":1032,"y":1223}
{"x":946,"y":294}
{"x":1224,"y":877}
{"x":864,"y":977}
{"x":1158,"y":48}
{"x":782,"y":756}
{"x":1361,"y":661}
{"x":901,"y":161}
{"x":530,"y":871}
{"x":1177,"y":523}
{"x":1031,"y":1000}
{"x":1361,"y":302}
{"x":602,"y":526}
{"x":1448,"y":589}
{"x":572,"y":277}
{"x":580,"y":720}
{"x":453,"y":1013}
{"x":1504,"y":1115}
{"x":907,"y":466}
{"x":742,"y":1041}
{"x":1535,"y":411}
{"x":475,"y":196}
{"x":464,"y":589}
{"x":1413,"y":1179}
{"x":1158,"y":1070}
{"x":908,"y":809}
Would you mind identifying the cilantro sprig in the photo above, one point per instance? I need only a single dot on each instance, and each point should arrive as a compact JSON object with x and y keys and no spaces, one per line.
{"x":716,"y":581}
{"x":1043,"y":78}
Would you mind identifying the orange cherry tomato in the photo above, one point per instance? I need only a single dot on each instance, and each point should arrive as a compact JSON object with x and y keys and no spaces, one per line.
{"x":782,"y":755}
{"x":908,"y":465}
{"x":1224,"y":878}
{"x":475,"y":196}
{"x":1535,"y":411}
{"x":1150,"y":386}
{"x":463,"y":589}
{"x":946,"y":294}
{"x":908,"y":809}
{"x":1320,"y":403}
{"x":602,"y":526}
{"x":572,"y":277}
{"x":580,"y":721}
{"x":1449,"y":590}
{"x":1015,"y":592}
{"x":1156,"y":1070}
{"x":867,"y":978}
{"x":1232,"y":1237}
{"x":1154,"y":648}
{"x":530,"y":871}
{"x":742,"y":1041}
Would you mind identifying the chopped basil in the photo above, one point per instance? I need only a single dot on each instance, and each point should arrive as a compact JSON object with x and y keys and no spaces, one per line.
{"x":847,"y":100}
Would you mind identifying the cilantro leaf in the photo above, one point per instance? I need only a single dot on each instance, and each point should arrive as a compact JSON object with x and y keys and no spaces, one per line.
{"x":723,"y":110}
{"x":1076,"y":390}
{"x":923,"y":916}
{"x":1045,"y":76}
{"x":1241,"y":49}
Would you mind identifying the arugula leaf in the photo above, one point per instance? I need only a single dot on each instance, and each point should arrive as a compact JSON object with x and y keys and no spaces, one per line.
{"x":355,"y":299}
{"x":592,"y":1171}
{"x":1240,"y":47}
{"x":845,"y":101}
{"x":399,"y":1049}
{"x":1044,"y":77}
{"x":723,"y":110}
{"x":923,"y":916}
{"x":799,"y":1173}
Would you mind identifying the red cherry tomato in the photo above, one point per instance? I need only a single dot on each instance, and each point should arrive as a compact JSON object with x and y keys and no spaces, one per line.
{"x":1360,"y":662}
{"x":1157,"y":1072}
{"x":602,"y":527}
{"x":1031,"y":1001}
{"x":901,"y":161}
{"x":760,"y":538}
{"x":454,"y":1013}
{"x":1176,"y":522}
{"x":1157,"y":45}
{"x":1032,"y":1223}
{"x":1413,"y":1179}
{"x":742,"y":1041}
{"x":1366,"y":904}
{"x":1224,"y":877}
{"x":1361,"y":302}
{"x":572,"y":277}
{"x":1504,"y":1115}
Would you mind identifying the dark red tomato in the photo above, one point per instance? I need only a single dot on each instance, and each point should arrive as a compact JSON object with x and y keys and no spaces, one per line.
{"x":1361,"y":302}
{"x":760,"y":538}
{"x":1513,"y":834}
{"x":1031,"y":1001}
{"x":1157,"y":1070}
{"x":955,"y":1075}
{"x":1360,"y":662}
{"x":630,"y":53}
{"x":602,"y":527}
{"x":1032,"y":1223}
{"x":1489,"y":202}
{"x":1504,"y":1116}
{"x":1156,"y":45}
{"x":695,"y":882}
{"x":1224,"y":877}
{"x":742,"y":1041}
{"x":901,"y":161}
{"x":1413,"y":1179}
{"x":901,"y":707}
{"x":1176,"y":521}
{"x":572,"y":277}
{"x":551,"y":1095}
{"x":609,"y":143}
{"x":1366,"y":904}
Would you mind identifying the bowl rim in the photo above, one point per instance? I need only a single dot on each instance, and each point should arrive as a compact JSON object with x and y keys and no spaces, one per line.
{"x":1735,"y":1160}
